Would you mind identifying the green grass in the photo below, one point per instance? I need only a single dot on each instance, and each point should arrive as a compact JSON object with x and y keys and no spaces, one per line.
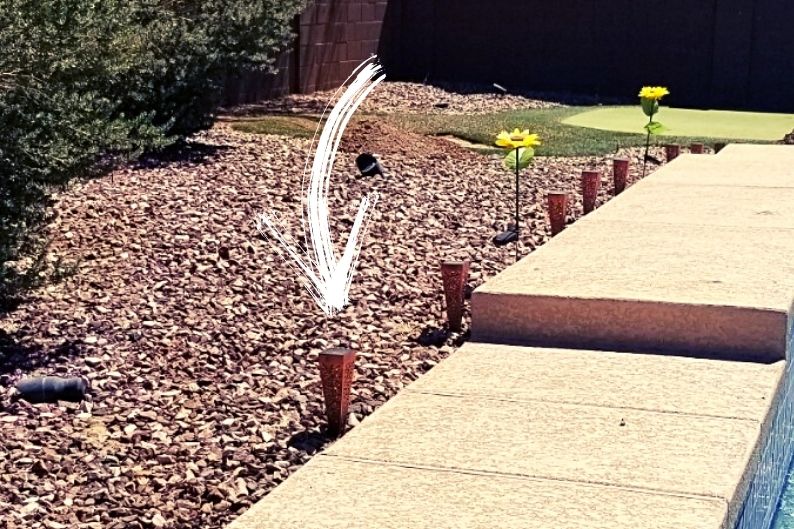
{"x":293,"y":126}
{"x":559,"y":138}
{"x":688,"y":122}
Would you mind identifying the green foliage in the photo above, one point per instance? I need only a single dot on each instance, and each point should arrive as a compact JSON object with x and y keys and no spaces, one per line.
{"x":84,"y":82}
{"x":524,"y":158}
{"x":654,"y":127}
{"x":559,"y":138}
{"x":293,"y":126}
{"x":649,"y":106}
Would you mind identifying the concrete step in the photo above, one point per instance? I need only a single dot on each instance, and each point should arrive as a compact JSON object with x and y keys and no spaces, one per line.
{"x":692,"y":260}
{"x":500,"y":436}
{"x":697,"y":262}
{"x":331,"y":493}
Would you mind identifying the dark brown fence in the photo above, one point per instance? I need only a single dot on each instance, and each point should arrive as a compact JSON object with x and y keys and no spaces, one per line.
{"x":710,"y":53}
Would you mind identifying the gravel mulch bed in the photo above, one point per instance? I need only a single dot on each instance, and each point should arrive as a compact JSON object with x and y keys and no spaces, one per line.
{"x":400,"y":97}
{"x":198,"y":342}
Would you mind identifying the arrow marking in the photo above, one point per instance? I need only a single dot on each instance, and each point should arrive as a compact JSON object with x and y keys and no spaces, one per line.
{"x":324,"y":274}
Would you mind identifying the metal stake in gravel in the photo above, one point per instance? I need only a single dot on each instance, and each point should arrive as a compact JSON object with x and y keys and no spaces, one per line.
{"x":454,"y":275}
{"x":696,"y":148}
{"x":591,"y":182}
{"x":336,"y":373}
{"x":620,"y":174}
{"x":672,"y":152}
{"x":518,"y":213}
{"x":558,"y":209}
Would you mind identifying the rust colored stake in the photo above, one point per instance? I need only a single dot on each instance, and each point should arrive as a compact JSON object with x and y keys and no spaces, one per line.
{"x":696,"y":148}
{"x":591,"y":182}
{"x":558,"y":209}
{"x":718,"y":147}
{"x":336,"y":373}
{"x":672,"y":152}
{"x":620,"y":170}
{"x":454,"y":275}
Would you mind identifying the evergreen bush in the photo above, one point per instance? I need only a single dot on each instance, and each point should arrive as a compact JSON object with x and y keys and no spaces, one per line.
{"x":86,"y":82}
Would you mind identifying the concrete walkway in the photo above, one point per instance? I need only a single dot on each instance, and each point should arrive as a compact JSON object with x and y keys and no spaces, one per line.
{"x":694,"y":263}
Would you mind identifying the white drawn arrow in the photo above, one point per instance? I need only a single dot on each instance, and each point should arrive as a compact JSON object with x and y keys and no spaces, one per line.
{"x":324,"y":274}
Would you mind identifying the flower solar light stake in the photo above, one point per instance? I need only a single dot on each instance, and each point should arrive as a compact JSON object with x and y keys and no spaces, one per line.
{"x":520,"y":154}
{"x":649,"y":99}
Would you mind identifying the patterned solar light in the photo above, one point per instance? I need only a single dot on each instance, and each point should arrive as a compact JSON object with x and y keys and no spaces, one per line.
{"x":336,"y":373}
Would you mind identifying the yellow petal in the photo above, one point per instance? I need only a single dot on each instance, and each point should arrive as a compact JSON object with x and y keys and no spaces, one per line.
{"x":531,"y":140}
{"x":654,"y":93}
{"x":516,"y":139}
{"x":503,"y":139}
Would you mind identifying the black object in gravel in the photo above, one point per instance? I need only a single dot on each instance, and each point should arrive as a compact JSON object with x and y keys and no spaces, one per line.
{"x":51,"y":389}
{"x":506,"y":237}
{"x":433,"y":337}
{"x":368,"y":165}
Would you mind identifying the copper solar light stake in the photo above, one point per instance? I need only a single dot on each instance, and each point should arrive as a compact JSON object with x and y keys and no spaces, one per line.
{"x":620,"y":173}
{"x":454,"y":275}
{"x":591,"y":182}
{"x":558,"y":208}
{"x":336,"y":373}
{"x":672,"y":152}
{"x":696,"y":148}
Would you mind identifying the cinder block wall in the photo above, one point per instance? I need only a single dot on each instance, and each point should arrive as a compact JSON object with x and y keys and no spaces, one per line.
{"x":333,"y":37}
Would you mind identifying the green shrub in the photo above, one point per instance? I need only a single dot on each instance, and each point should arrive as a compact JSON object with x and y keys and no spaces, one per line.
{"x":89,"y":81}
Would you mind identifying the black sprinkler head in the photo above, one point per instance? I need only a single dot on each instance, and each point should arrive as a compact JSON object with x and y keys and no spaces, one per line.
{"x":368,"y":165}
{"x":506,"y":237}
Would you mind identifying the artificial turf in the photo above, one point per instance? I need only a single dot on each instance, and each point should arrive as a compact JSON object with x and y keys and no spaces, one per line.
{"x":561,"y":137}
{"x":689,"y":122}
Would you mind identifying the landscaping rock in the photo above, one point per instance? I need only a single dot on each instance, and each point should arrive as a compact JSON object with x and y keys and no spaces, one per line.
{"x":398,"y":97}
{"x":205,"y":385}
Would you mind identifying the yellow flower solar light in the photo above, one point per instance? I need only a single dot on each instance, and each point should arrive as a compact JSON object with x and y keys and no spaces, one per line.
{"x":520,"y":144}
{"x":653,"y":92}
{"x":649,"y":101}
{"x":517,"y":139}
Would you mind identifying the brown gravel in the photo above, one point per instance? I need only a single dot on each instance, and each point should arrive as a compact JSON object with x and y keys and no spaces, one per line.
{"x":200,"y":346}
{"x":393,"y":97}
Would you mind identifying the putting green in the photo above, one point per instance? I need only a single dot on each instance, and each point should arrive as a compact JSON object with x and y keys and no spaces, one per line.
{"x":686,"y":122}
